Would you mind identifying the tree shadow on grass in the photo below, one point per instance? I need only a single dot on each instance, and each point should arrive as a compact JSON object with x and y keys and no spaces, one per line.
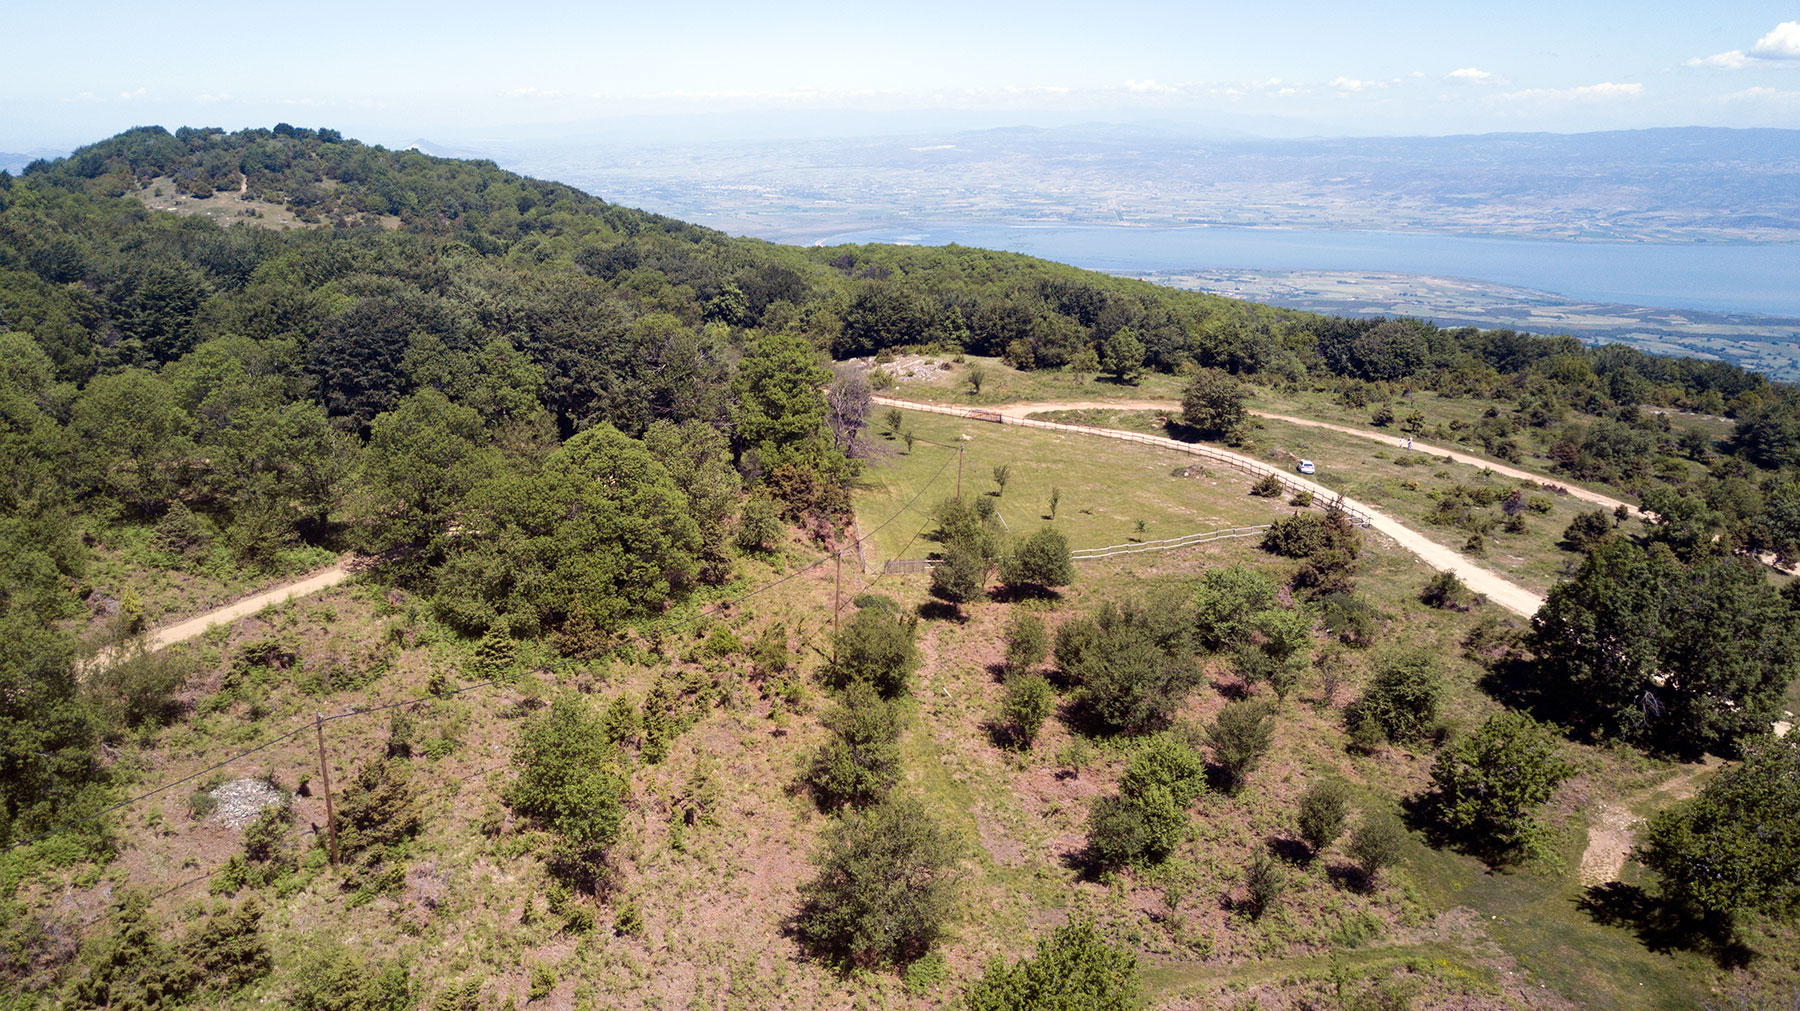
{"x":1290,"y":850}
{"x":942,"y":610}
{"x":1004,"y":594}
{"x":1661,"y":927}
{"x":1350,"y":877}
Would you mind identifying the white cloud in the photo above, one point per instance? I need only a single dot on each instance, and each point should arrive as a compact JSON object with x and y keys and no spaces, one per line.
{"x":223,"y":96}
{"x":1782,"y":43}
{"x":1764,"y":96}
{"x":1474,"y":75}
{"x":1150,"y":86}
{"x":126,"y":96}
{"x":1733,"y":59}
{"x":1605,"y":90}
{"x":1352,"y":84}
{"x":532,"y":93}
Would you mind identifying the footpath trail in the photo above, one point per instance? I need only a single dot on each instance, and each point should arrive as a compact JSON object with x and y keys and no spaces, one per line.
{"x":1494,"y":586}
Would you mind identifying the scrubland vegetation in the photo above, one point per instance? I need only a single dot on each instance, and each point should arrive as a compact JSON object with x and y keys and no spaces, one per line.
{"x":623,"y":710}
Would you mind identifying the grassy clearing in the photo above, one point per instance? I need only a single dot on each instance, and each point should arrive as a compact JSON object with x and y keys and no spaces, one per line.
{"x":1407,"y":485}
{"x":1106,"y":486}
{"x":942,"y":379}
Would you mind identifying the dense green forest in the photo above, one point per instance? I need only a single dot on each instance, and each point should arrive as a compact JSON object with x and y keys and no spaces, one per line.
{"x":552,"y":417}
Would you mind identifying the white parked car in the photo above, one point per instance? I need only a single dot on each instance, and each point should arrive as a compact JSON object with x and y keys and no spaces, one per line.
{"x":1306,"y":467}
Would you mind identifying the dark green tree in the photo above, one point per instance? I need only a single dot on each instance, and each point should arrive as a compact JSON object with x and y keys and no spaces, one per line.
{"x":1122,"y":355}
{"x":1488,"y":785}
{"x":1734,"y":848}
{"x":1213,"y":404}
{"x":1673,"y":657}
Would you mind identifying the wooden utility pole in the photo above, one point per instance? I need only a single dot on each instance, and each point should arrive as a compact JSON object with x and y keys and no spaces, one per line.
{"x":959,"y":456}
{"x":325,"y":774}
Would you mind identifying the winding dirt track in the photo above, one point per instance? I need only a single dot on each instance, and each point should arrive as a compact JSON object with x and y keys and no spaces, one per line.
{"x":1494,"y":586}
{"x":1022,"y":410}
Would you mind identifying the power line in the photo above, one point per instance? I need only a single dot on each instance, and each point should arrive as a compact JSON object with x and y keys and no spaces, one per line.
{"x":165,"y":787}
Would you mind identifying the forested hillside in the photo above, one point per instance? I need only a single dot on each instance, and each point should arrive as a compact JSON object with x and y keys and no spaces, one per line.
{"x":552,"y":423}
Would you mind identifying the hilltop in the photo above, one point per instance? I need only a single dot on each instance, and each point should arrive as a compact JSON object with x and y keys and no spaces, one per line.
{"x":620,"y":703}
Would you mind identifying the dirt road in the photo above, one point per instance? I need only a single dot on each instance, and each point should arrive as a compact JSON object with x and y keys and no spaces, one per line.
{"x":1494,"y":586}
{"x":1386,"y":438}
{"x":172,"y":634}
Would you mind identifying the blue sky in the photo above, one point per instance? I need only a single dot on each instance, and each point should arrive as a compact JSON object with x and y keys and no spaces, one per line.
{"x":395,"y":72}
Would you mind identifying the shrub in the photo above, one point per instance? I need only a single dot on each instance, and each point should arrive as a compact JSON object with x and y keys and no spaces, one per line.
{"x":959,"y":578}
{"x":1302,"y":499}
{"x":861,"y":761}
{"x":1267,"y":486}
{"x":1029,"y":702}
{"x":1377,"y":843}
{"x":1352,"y":619}
{"x":1143,"y":822}
{"x":1487,"y":784}
{"x":1447,"y":592}
{"x":1297,"y":536}
{"x":1402,"y":699}
{"x":1026,"y":643}
{"x":1263,"y":884}
{"x":1074,"y":969}
{"x":875,"y":647}
{"x":380,"y":807}
{"x":1225,"y":600}
{"x":759,"y":524}
{"x":1239,"y":737}
{"x":925,"y":974}
{"x":1134,"y":663}
{"x":885,"y":886}
{"x":1324,"y":807}
{"x":568,"y":780}
{"x":333,"y":978}
{"x":1039,"y":563}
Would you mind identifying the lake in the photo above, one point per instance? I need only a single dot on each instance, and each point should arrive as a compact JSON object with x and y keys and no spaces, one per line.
{"x":1716,"y":276}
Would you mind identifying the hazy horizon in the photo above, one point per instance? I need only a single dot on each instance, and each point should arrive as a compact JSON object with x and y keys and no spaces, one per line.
{"x":457,"y":72}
